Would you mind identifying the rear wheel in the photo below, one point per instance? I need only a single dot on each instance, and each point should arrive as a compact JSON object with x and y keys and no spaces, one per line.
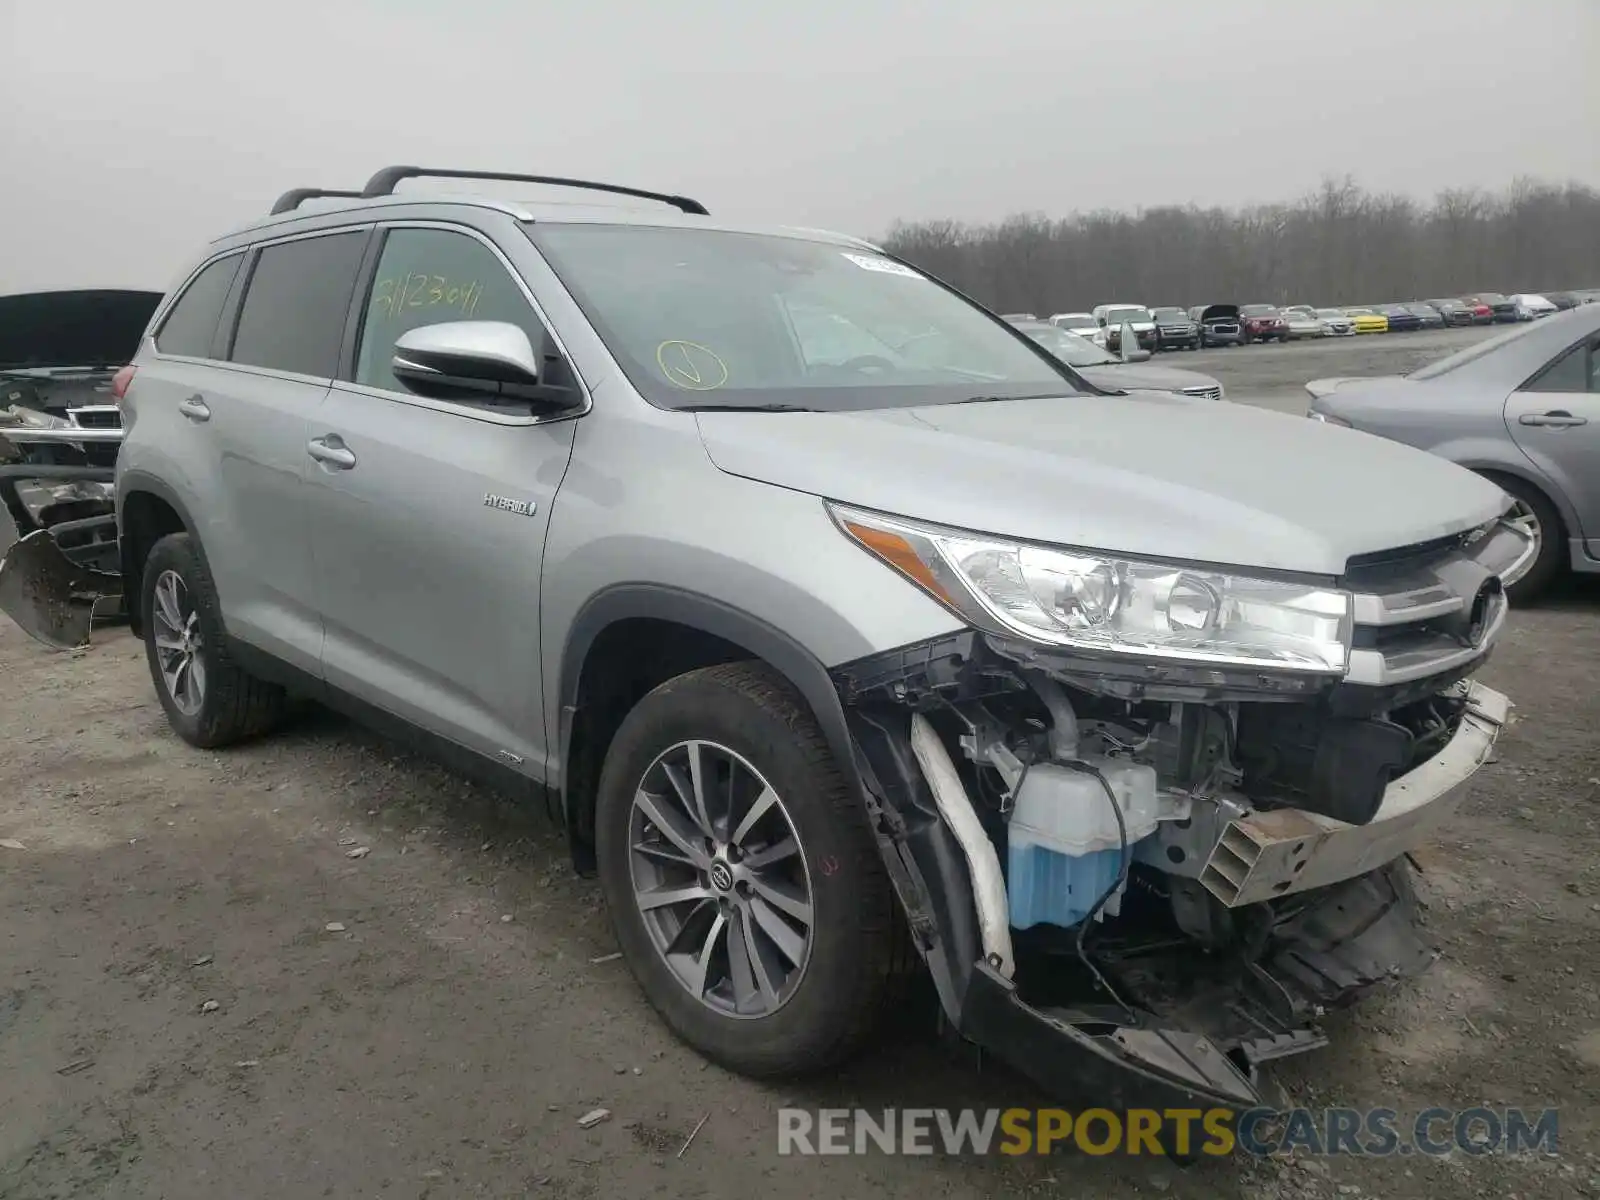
{"x":209,"y":701}
{"x":743,"y":883}
{"x":1538,"y":517}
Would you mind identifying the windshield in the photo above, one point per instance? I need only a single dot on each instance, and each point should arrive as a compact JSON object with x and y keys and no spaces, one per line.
{"x":1069,"y":347}
{"x":1258,"y":310}
{"x":1331,"y":313}
{"x":1171,"y":314}
{"x":1116,"y":316}
{"x":1475,"y":351}
{"x":713,"y":319}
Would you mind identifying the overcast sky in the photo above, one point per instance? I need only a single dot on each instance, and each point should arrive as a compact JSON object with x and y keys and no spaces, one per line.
{"x":132,"y":133}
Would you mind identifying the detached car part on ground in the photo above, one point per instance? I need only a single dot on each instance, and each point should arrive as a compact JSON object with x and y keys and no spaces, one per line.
{"x":1118,"y":711}
{"x":59,"y":432}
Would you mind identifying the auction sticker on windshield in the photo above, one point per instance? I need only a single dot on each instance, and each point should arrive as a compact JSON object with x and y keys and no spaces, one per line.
{"x":869,"y":263}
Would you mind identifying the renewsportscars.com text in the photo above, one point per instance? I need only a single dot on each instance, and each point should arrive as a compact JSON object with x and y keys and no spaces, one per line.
{"x":1376,"y":1132}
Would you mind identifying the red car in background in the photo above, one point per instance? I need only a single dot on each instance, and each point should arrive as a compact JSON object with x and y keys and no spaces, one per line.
{"x":1262,"y":322}
{"x":1482,"y":314}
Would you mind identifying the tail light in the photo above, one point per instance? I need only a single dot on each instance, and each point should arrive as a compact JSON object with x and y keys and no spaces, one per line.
{"x":120,"y":382}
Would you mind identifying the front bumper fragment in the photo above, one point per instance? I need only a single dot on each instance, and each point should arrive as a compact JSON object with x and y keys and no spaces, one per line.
{"x":1278,"y":852}
{"x":61,"y":573}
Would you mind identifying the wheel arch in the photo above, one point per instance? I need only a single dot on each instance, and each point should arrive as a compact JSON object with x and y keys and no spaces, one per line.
{"x":147,"y":510}
{"x":677,"y":631}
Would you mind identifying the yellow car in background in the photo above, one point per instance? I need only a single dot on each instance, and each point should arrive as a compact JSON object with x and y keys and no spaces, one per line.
{"x":1366,"y":320}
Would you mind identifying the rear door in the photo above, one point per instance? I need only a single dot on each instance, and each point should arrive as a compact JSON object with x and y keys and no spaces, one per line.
{"x":1555,"y":419}
{"x":217,"y":411}
{"x":282,"y":355}
{"x":428,"y":517}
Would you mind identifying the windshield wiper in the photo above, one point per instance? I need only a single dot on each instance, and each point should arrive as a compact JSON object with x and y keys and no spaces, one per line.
{"x":744,"y":408}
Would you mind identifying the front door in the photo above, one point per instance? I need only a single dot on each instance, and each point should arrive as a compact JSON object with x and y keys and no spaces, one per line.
{"x":428,"y":518}
{"x":1555,"y":420}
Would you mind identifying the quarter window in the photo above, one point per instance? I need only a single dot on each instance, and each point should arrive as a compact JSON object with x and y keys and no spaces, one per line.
{"x":431,"y":276}
{"x":1574,"y":371}
{"x":294,"y":313}
{"x":191,"y":326}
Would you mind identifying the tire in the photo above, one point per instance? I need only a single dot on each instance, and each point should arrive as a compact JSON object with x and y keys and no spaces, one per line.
{"x":228,"y":705}
{"x":1550,"y":563}
{"x":857,"y":948}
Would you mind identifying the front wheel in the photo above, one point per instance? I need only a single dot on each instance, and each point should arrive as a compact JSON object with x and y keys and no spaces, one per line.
{"x":742,"y":880}
{"x":1539,"y":518}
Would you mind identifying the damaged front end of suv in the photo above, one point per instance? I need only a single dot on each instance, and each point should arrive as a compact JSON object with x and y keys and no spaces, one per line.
{"x":1151,"y":822}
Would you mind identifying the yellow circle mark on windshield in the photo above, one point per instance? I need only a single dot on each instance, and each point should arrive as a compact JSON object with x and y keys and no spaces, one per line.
{"x":691,"y":366}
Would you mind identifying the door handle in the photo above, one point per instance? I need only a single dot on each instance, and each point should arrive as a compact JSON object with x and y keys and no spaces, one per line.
{"x":1559,"y":418}
{"x":195,"y":408}
{"x":331,"y":452}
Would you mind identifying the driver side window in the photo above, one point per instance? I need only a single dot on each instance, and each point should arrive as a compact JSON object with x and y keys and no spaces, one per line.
{"x":430,"y":276}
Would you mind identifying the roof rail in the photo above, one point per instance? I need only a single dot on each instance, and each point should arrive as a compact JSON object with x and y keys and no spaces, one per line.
{"x":295,"y":197}
{"x":383,"y":184}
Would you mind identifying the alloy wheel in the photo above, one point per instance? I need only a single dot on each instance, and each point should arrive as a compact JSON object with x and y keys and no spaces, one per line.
{"x":719,"y":876}
{"x":1525,"y":519}
{"x":179,"y":647}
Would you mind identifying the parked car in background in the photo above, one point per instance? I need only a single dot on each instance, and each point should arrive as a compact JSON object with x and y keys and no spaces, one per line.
{"x":1523,"y":409}
{"x":1367,"y":320}
{"x":1430,"y":316}
{"x":1081,"y":323}
{"x":1531,"y":306}
{"x":1335,"y":322}
{"x":1175,"y":329}
{"x":1482,"y":314}
{"x":1563,"y":300}
{"x":1454,"y":312}
{"x":1219,"y":324}
{"x":1112,"y":317}
{"x":62,"y":355}
{"x":1303,"y":323}
{"x":1262,"y":323}
{"x":1401,"y":319}
{"x":1114,"y":373}
{"x":1502,"y":309}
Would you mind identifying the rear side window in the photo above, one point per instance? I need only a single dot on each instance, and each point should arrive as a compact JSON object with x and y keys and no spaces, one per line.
{"x":294,"y":312}
{"x":192,"y":324}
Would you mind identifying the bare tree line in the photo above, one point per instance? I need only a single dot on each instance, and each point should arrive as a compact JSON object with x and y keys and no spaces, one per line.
{"x":1338,"y":245}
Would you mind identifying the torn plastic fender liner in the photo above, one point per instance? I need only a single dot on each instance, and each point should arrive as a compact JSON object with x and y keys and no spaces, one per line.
{"x":1120,"y":1063}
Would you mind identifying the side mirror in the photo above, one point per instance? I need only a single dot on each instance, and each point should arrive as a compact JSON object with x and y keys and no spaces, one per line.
{"x":1137,"y":356}
{"x":479,"y":361}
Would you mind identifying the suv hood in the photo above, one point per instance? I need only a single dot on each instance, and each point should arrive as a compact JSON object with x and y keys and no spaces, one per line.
{"x":1145,"y":474}
{"x":1142,"y":377}
{"x":88,"y":328}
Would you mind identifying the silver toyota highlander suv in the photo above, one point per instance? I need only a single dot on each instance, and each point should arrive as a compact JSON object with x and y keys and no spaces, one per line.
{"x":853,"y":635}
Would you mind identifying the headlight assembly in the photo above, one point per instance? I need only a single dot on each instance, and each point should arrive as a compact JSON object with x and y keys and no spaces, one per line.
{"x":1107,"y":603}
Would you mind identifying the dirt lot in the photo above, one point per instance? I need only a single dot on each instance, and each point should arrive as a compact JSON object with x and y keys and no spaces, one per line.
{"x":205,"y":991}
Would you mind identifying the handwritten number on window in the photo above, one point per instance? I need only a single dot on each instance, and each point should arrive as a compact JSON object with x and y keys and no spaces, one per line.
{"x":414,"y":290}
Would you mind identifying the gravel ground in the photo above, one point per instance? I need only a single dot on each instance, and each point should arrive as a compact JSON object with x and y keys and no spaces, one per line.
{"x":205,"y":991}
